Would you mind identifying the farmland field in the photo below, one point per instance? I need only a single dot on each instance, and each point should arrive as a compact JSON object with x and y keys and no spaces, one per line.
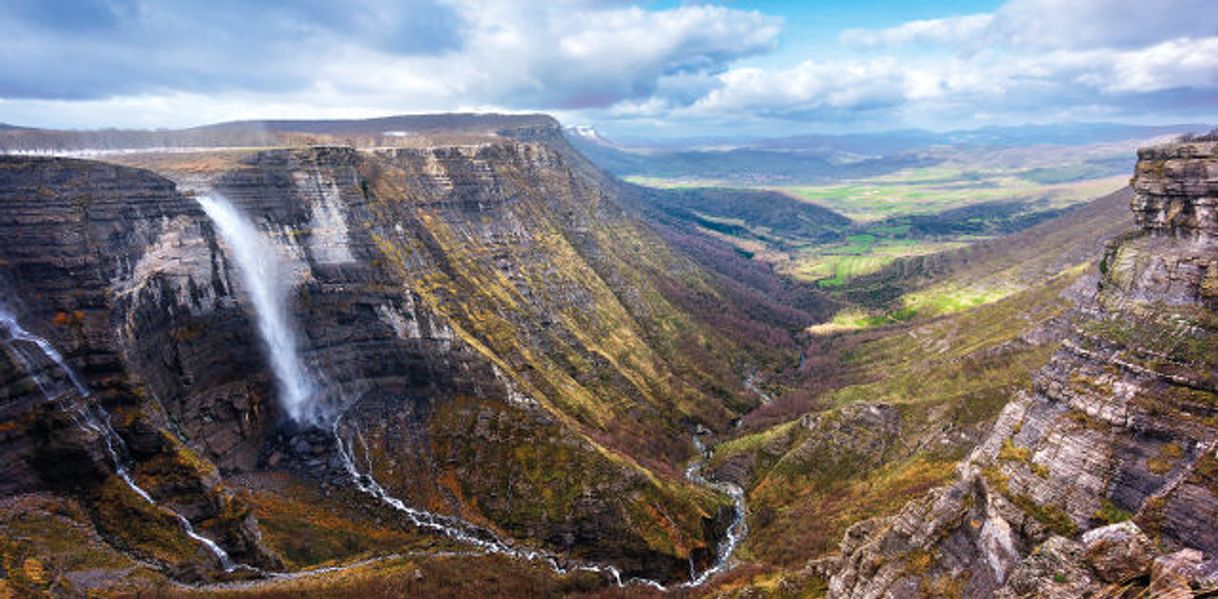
{"x":939,"y":188}
{"x":909,"y":212}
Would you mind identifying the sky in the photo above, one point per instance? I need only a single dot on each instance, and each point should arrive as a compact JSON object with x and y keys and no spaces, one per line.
{"x":665,"y":68}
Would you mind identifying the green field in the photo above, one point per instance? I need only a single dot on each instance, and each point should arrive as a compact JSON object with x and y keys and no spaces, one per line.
{"x":907,"y":213}
{"x":833,"y":265}
{"x":936,"y":189}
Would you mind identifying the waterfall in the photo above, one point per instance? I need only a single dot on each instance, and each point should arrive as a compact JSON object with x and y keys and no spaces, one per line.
{"x":92,"y":417}
{"x":257,"y":265}
{"x":15,"y":333}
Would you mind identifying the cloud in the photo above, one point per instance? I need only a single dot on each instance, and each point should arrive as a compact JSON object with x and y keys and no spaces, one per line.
{"x":950,"y":30}
{"x":958,"y":86}
{"x":807,"y":87}
{"x":1078,"y":24}
{"x":579,"y":58}
{"x":394,"y":54}
{"x":1055,"y":24}
{"x":1025,"y":60}
{"x":152,"y":63}
{"x":98,"y":48}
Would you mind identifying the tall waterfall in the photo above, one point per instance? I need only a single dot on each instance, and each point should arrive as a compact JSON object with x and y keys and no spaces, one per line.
{"x":94,"y":418}
{"x":257,"y":265}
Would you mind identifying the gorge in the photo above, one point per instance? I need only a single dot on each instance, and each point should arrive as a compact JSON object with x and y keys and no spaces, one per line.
{"x":471,"y":362}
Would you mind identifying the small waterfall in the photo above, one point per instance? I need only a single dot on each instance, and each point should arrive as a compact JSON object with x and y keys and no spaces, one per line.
{"x":15,"y":333}
{"x":92,"y":417}
{"x":257,"y":265}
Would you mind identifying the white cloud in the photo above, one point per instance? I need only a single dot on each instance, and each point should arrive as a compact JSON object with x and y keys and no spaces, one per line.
{"x":189,"y":62}
{"x":568,"y":54}
{"x":808,"y":86}
{"x":1026,"y":59}
{"x":1081,"y":24}
{"x":950,"y":30}
{"x":1169,"y":65}
{"x":992,"y":80}
{"x":1055,"y":24}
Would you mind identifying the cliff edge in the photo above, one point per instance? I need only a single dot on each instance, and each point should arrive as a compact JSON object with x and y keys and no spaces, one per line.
{"x":1102,"y":478}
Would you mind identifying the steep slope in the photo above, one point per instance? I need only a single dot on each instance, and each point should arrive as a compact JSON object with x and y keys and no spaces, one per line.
{"x":878,"y":416}
{"x":1119,"y":425}
{"x":497,"y":339}
{"x":75,"y":238}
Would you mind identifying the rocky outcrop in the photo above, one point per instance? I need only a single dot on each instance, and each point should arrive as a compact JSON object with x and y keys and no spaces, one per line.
{"x":483,"y":316}
{"x":1120,"y":425}
{"x":78,"y":239}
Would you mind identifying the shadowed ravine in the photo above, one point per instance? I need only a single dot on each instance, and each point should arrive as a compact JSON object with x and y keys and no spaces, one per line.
{"x":94,"y":418}
{"x":349,"y":438}
{"x":256,"y":263}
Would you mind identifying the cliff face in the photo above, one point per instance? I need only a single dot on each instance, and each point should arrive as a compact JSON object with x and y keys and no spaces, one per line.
{"x":451,"y":318}
{"x":77,"y":240}
{"x":1110,"y":459}
{"x":504,"y":343}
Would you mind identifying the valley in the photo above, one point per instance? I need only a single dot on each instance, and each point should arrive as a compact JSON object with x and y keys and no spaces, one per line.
{"x":319,"y":360}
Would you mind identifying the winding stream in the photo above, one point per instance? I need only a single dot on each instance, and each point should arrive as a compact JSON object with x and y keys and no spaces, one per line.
{"x":94,"y":418}
{"x":739,"y":527}
{"x":466,"y":532}
{"x":257,"y":265}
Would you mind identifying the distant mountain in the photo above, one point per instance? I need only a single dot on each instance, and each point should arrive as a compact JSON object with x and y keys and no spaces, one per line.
{"x":817,"y":158}
{"x":750,"y":166}
{"x":261,"y":133}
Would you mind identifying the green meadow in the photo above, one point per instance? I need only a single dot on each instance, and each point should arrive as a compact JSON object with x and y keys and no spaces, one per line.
{"x":935,"y":189}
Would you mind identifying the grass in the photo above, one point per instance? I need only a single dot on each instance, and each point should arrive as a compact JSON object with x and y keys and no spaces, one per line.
{"x":935,"y":189}
{"x":44,"y":538}
{"x":833,"y":265}
{"x":949,"y":299}
{"x":421,"y":576}
{"x":804,"y":493}
{"x":936,"y":301}
{"x":308,"y":530}
{"x":909,"y":213}
{"x":1110,"y":513}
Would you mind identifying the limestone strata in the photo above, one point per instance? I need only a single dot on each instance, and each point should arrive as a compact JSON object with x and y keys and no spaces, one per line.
{"x":502,"y":335}
{"x":78,"y":241}
{"x":1119,"y":425}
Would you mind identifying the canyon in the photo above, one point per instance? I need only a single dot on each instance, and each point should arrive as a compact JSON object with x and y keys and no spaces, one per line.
{"x":309,"y":358}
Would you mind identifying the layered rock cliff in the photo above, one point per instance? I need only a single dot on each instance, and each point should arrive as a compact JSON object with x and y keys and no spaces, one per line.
{"x":76,"y":238}
{"x":1102,"y":478}
{"x":503,"y":343}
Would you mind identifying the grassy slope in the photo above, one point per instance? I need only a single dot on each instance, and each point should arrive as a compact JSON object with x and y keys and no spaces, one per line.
{"x":984,"y":272}
{"x":936,"y":189}
{"x":810,"y":478}
{"x":614,"y":354}
{"x":969,"y":194}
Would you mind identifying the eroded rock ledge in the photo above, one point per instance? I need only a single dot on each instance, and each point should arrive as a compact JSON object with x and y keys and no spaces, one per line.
{"x":1104,"y":476}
